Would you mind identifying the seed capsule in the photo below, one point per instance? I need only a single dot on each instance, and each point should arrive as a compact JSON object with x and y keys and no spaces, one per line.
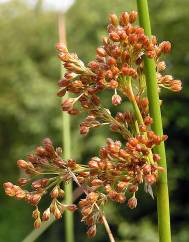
{"x":113,"y":19}
{"x":165,"y":47}
{"x":116,"y":100}
{"x":37,"y":223}
{"x":101,"y":52}
{"x":132,"y":202}
{"x":72,"y":207}
{"x":22,"y":164}
{"x":46,"y":215}
{"x":133,"y":16}
{"x":150,"y":179}
{"x":114,"y":36}
{"x":91,"y":232}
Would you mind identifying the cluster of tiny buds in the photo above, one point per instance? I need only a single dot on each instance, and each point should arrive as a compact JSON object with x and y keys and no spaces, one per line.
{"x":91,"y":215}
{"x":45,"y":162}
{"x":118,"y":60}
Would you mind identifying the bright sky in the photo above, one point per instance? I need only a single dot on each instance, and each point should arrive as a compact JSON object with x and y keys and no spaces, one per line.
{"x":52,"y":4}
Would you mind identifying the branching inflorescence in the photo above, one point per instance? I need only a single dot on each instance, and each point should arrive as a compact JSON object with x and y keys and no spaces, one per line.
{"x":119,"y":168}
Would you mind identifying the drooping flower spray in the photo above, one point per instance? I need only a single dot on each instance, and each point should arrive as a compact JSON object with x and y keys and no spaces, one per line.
{"x":115,"y":173}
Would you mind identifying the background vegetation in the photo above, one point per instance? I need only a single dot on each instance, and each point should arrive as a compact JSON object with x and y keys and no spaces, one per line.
{"x":29,"y":110}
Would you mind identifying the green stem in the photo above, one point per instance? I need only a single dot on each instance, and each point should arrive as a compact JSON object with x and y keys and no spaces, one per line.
{"x":66,"y":139}
{"x":139,"y":118}
{"x":69,"y":226}
{"x":155,"y":112}
{"x":134,"y":103}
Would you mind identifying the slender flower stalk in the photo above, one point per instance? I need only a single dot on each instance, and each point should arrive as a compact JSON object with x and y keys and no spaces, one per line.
{"x":155,"y":112}
{"x":66,"y":140}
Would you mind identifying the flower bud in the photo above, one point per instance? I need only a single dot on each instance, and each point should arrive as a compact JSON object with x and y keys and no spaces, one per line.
{"x":91,"y":232}
{"x":114,"y":36}
{"x":123,"y":154}
{"x":108,"y":188}
{"x":150,"y":179}
{"x":32,"y":158}
{"x":132,"y":202}
{"x":71,"y":163}
{"x":89,"y":220}
{"x":84,"y":129}
{"x":72,"y":207}
{"x":176,"y":86}
{"x":22,"y":164}
{"x":61,"y":193}
{"x":165,"y":47}
{"x":8,"y":185}
{"x":133,"y":142}
{"x":156,"y":157}
{"x":147,"y":169}
{"x":113,"y":19}
{"x":148,"y":121}
{"x":124,"y":18}
{"x":35,"y":213}
{"x":37,"y":223}
{"x":142,"y":128}
{"x":68,"y":104}
{"x":35,"y":199}
{"x":122,"y":185}
{"x":57,"y":213}
{"x":61,"y":47}
{"x":96,"y":182}
{"x":101,"y":52}
{"x":40,"y":151}
{"x":23,"y":181}
{"x":55,"y":192}
{"x":10,"y":192}
{"x":120,"y":198}
{"x":133,"y":188}
{"x":46,"y":215}
{"x":133,"y":16}
{"x":151,"y":54}
{"x":92,"y":197}
{"x":86,"y":211}
{"x":61,"y":92}
{"x":112,"y":194}
{"x":93,"y":164}
{"x":161,"y":66}
{"x":113,"y":84}
{"x":83,"y":203}
{"x":116,"y":99}
{"x":125,"y":71}
{"x":111,"y":61}
{"x":20,"y":194}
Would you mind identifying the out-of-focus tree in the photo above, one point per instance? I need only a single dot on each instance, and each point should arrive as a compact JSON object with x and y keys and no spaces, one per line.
{"x":28,"y":104}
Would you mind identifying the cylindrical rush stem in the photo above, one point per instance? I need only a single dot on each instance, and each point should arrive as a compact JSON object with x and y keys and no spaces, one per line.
{"x":155,"y":112}
{"x":66,"y":139}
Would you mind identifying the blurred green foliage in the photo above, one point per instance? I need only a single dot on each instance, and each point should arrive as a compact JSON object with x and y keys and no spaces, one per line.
{"x":29,"y":109}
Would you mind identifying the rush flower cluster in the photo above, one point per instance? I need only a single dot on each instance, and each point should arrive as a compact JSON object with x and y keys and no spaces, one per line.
{"x":120,"y":167}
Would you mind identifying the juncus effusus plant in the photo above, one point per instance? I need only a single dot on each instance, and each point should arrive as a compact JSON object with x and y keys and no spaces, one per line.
{"x":115,"y":173}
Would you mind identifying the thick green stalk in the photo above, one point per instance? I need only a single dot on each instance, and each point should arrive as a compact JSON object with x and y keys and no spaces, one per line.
{"x":69,"y":226}
{"x":155,"y":112}
{"x":66,"y":140}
